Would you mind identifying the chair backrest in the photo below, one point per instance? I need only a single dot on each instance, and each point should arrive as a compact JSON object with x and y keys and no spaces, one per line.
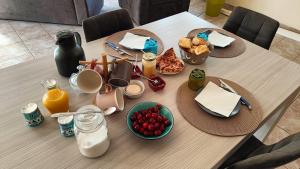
{"x":106,"y":24}
{"x":272,"y":156}
{"x":252,"y":26}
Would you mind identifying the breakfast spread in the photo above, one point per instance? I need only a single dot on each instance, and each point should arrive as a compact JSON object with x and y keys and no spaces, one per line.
{"x":168,"y":63}
{"x":149,"y":122}
{"x":194,"y":45}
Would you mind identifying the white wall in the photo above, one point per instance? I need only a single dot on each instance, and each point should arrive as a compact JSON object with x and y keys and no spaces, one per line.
{"x":285,"y":11}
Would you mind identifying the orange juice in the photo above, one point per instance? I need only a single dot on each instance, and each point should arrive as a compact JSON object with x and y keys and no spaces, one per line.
{"x":56,"y":100}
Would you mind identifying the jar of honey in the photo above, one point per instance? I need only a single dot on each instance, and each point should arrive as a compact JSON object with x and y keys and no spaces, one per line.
{"x":149,"y":64}
{"x":55,"y":99}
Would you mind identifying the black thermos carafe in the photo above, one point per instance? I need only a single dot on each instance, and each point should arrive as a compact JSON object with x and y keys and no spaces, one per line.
{"x":68,"y":52}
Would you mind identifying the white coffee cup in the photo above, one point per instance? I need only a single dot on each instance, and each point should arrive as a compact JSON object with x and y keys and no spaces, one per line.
{"x":89,"y":81}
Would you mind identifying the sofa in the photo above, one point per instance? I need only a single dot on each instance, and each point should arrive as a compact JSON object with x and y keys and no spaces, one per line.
{"x":145,"y":11}
{"x":51,"y":11}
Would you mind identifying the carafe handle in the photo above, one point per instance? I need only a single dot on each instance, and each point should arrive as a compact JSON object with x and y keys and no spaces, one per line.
{"x":78,"y":38}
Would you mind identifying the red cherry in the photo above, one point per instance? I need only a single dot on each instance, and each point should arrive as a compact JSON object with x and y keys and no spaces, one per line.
{"x":151,"y":133}
{"x":157,"y":132}
{"x":148,"y":115}
{"x":162,"y":127}
{"x":167,"y":122}
{"x":132,"y":118}
{"x":145,"y":125}
{"x":152,"y":120}
{"x":156,"y":125}
{"x":144,"y":112}
{"x":159,"y":118}
{"x":135,"y":123}
{"x":141,"y":121}
{"x":136,"y":127}
{"x":154,"y":115}
{"x":139,"y":116}
{"x":136,"y":114}
{"x":146,"y":133}
{"x":150,"y":127}
{"x":158,"y":106}
{"x":141,"y":130}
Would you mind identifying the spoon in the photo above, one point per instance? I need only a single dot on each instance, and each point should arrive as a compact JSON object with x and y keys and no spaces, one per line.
{"x":155,"y":81}
{"x":106,"y":112}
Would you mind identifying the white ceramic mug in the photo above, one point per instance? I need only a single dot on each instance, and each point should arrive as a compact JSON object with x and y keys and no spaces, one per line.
{"x":113,"y":98}
{"x":89,"y":81}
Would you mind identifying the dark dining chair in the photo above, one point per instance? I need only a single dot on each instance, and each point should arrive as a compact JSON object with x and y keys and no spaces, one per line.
{"x":252,"y":26}
{"x":256,"y":155}
{"x":106,"y":24}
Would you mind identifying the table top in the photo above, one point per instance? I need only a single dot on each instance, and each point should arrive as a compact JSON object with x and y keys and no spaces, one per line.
{"x":270,"y":78}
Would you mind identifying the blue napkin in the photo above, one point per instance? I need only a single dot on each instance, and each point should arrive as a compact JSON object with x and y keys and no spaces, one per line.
{"x":203,"y":35}
{"x":151,"y":46}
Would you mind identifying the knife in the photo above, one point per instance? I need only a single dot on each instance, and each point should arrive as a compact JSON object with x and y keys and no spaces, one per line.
{"x":117,"y":48}
{"x":243,"y":100}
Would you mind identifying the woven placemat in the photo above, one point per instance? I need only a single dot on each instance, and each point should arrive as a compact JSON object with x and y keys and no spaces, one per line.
{"x":236,"y":48}
{"x":117,"y":37}
{"x":246,"y":121}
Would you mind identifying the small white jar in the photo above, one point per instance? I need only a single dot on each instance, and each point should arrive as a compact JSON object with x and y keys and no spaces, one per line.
{"x":91,"y":132}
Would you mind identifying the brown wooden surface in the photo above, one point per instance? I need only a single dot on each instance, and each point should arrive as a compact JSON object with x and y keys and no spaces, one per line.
{"x":235,"y":49}
{"x":269,"y":77}
{"x":246,"y":121}
{"x":117,"y":37}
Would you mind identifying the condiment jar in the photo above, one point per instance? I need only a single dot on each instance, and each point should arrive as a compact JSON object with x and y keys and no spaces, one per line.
{"x":91,"y":132}
{"x":149,"y":64}
{"x":55,"y":99}
{"x":196,"y":79}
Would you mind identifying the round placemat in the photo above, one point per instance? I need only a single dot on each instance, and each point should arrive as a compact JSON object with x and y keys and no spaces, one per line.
{"x":236,"y":48}
{"x":117,"y":37}
{"x":246,"y":121}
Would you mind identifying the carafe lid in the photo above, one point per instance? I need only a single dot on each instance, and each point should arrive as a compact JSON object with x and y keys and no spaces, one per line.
{"x":64,"y":36}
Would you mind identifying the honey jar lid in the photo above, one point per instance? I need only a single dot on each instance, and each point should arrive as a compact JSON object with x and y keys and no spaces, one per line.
{"x":149,"y":56}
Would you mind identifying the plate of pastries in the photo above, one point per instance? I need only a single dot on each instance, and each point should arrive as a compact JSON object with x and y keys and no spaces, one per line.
{"x":168,"y":63}
{"x":194,"y":50}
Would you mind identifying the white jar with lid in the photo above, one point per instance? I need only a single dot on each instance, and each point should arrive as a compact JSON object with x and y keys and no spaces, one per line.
{"x":91,"y":132}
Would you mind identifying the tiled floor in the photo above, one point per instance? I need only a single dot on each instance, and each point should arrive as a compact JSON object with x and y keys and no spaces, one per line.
{"x":23,"y":41}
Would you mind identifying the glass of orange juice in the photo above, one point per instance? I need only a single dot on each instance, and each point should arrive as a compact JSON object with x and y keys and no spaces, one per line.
{"x":55,"y":99}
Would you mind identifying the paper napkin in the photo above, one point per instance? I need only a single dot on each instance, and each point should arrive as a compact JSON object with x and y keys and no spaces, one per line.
{"x":133,"y":41}
{"x":217,"y":99}
{"x":220,"y":40}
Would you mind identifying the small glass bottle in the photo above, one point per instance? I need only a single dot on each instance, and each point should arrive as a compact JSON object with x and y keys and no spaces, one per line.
{"x":149,"y":64}
{"x":55,"y":99}
{"x":91,"y":132}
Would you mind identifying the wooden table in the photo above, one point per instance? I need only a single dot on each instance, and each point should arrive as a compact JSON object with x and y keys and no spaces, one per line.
{"x":273,"y":80}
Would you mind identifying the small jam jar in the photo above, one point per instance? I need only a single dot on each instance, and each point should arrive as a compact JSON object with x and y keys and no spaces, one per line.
{"x":156,"y":83}
{"x":149,"y":64}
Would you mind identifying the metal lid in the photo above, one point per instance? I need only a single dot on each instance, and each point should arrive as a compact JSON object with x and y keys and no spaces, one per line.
{"x":149,"y":56}
{"x":49,"y":84}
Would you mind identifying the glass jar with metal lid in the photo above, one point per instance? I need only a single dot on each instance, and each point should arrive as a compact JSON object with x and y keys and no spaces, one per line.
{"x":149,"y":64}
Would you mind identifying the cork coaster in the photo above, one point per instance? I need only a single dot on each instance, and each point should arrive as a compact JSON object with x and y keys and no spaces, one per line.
{"x":246,"y":121}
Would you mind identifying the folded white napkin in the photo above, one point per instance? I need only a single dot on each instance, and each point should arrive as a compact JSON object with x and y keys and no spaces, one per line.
{"x":133,"y":41}
{"x":220,"y":40}
{"x":217,"y":99}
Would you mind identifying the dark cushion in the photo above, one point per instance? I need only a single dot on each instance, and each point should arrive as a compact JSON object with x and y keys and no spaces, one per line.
{"x":145,"y":11}
{"x":252,"y":26}
{"x":106,"y":24}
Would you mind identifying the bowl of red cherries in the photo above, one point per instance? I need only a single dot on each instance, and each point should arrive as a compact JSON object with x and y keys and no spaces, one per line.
{"x":150,"y":120}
